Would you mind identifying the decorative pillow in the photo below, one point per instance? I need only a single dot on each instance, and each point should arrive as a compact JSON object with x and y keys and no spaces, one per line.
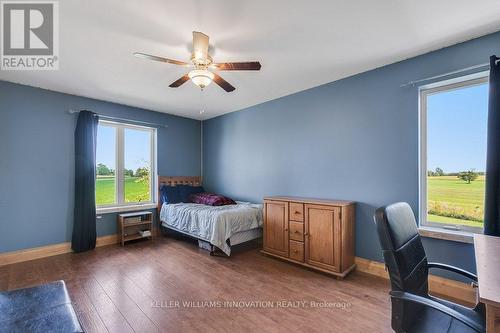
{"x":169,"y":194}
{"x":211,"y":199}
{"x":185,"y":191}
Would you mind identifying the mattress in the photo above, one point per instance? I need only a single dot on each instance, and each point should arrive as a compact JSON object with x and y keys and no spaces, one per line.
{"x":245,"y":236}
{"x":214,"y":224}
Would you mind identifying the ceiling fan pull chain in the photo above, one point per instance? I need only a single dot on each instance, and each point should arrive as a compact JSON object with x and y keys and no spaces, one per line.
{"x":202,"y":109}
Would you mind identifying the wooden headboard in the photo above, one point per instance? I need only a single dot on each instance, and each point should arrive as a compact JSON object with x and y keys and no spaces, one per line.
{"x":176,"y":180}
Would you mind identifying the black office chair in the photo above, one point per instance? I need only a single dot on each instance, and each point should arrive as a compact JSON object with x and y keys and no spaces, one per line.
{"x":413,"y":309}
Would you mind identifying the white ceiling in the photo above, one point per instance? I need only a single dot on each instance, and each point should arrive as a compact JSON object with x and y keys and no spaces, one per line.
{"x":300,"y":44}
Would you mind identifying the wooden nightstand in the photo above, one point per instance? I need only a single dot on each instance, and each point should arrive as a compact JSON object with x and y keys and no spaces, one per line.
{"x":132,"y":225}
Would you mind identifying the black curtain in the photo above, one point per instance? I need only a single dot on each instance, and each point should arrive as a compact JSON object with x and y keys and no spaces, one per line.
{"x":492,"y":200}
{"x":84,"y":218}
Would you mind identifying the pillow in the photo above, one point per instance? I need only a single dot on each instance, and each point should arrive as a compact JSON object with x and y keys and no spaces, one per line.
{"x":169,"y":194}
{"x":185,"y":191}
{"x":211,"y":199}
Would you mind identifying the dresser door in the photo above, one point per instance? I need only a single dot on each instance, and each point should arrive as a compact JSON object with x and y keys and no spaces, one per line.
{"x":276,"y":227}
{"x":322,"y":236}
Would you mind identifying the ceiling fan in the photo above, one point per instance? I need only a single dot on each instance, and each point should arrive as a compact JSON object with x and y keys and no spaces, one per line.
{"x":202,"y":62}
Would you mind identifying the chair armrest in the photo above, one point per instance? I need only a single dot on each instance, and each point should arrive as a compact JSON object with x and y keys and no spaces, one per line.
{"x":454,"y":269}
{"x":408,"y":297}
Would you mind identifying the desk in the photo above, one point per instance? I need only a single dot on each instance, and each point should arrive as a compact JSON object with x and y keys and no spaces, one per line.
{"x":487,"y":249}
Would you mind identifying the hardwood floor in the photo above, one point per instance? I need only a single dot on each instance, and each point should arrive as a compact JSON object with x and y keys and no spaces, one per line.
{"x":127,"y":289}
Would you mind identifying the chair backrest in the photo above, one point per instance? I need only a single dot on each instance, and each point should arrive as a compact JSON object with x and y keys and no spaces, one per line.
{"x":404,"y":256}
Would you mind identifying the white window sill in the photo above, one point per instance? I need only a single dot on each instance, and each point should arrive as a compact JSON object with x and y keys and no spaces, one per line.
{"x":120,"y":209}
{"x":452,"y":235}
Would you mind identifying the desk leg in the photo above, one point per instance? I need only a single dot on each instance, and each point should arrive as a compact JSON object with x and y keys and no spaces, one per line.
{"x":492,"y":319}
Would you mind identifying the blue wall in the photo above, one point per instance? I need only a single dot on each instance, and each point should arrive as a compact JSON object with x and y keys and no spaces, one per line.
{"x":37,"y":161}
{"x":355,"y":139}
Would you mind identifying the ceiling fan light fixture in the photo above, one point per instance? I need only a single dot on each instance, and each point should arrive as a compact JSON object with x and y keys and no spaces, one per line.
{"x":201,"y":77}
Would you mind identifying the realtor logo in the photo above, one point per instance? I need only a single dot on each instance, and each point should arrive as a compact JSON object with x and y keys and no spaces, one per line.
{"x":29,"y":36}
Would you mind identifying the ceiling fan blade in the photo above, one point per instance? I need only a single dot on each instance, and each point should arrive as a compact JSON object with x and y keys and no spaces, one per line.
{"x":179,"y":82}
{"x":200,"y":45}
{"x":238,"y":66}
{"x":223,"y":83}
{"x":161,"y":59}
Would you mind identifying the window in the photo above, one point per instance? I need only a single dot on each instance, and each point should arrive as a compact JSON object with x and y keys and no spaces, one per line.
{"x":125,"y":165}
{"x":453,"y":122}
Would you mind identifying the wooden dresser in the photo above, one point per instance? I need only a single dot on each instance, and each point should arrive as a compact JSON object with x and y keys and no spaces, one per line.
{"x":315,"y":233}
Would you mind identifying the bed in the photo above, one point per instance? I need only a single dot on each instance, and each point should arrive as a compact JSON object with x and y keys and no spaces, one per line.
{"x":220,"y":226}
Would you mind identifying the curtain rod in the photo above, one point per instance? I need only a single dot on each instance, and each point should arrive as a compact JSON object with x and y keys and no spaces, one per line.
{"x":71,"y":111}
{"x":412,"y":83}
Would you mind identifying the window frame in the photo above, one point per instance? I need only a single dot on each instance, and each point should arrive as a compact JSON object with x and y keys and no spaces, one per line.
{"x":120,"y":204}
{"x":423,"y":92}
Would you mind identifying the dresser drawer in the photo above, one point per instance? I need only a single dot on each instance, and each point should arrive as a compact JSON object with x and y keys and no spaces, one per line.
{"x":296,"y":211}
{"x":296,"y":231}
{"x":297,"y":251}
